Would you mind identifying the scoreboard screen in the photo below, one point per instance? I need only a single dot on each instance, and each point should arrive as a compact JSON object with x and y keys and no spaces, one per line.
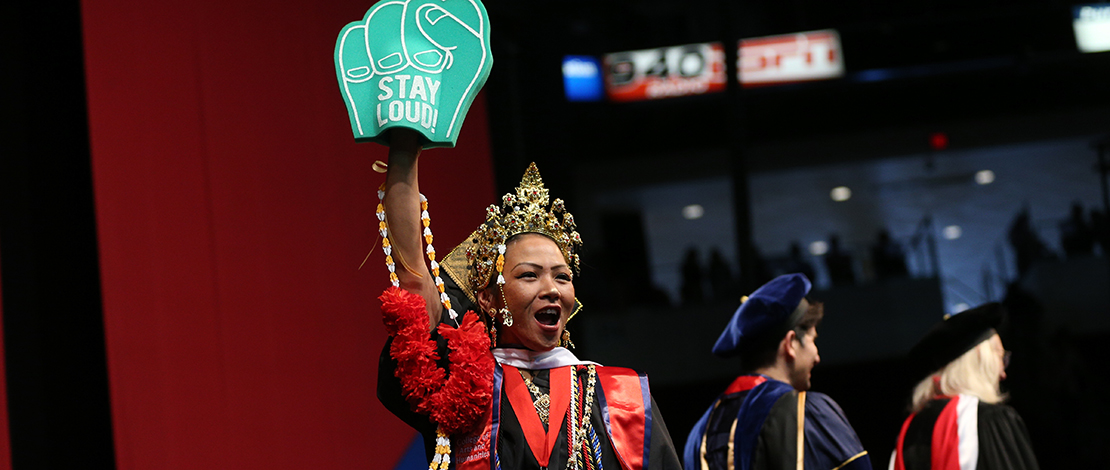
{"x":788,"y":58}
{"x":665,"y":72}
{"x":1092,"y":27}
{"x":582,"y":78}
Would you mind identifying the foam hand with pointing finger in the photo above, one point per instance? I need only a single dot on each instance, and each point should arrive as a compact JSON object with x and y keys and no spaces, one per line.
{"x":415,"y":64}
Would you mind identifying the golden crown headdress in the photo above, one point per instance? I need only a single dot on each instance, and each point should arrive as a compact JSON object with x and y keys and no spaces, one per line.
{"x":526,"y":211}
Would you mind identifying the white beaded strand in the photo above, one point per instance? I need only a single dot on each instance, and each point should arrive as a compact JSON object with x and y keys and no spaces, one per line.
{"x":387,"y":248}
{"x":442,"y":460}
{"x":383,"y":230}
{"x":443,"y":298}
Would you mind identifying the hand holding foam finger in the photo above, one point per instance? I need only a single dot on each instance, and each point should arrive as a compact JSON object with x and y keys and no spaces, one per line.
{"x":423,"y":63}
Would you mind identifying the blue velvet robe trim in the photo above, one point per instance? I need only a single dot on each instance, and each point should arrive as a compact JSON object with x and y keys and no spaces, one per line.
{"x":829,"y":438}
{"x":757,"y":405}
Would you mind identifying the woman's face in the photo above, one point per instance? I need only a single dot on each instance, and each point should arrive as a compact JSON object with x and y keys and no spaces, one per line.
{"x":996,"y":346}
{"x":538,"y":291}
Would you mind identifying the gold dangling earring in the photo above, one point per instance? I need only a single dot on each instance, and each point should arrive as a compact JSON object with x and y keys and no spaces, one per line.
{"x":566,"y":342}
{"x":506,"y":316}
{"x":492,"y":334}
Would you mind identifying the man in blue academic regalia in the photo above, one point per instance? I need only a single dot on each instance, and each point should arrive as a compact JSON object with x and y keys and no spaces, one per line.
{"x":766,"y":419}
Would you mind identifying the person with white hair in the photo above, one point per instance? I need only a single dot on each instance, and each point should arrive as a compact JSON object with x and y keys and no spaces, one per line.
{"x":958,"y":418}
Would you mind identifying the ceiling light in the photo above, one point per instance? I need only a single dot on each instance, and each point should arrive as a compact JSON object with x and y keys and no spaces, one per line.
{"x":952,"y":232}
{"x":818,"y":248}
{"x":840,"y":193}
{"x":984,"y":177}
{"x":693,"y":211}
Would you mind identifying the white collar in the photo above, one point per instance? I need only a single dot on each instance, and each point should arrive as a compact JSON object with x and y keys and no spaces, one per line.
{"x":532,"y":360}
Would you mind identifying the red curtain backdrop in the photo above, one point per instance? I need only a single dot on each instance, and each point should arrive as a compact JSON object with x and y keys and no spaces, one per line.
{"x":233,"y":211}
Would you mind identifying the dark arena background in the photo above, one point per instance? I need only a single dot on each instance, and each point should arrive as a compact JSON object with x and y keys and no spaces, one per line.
{"x":183,"y":214}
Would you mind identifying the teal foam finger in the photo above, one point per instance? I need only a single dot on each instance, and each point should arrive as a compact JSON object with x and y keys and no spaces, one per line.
{"x":415,"y":64}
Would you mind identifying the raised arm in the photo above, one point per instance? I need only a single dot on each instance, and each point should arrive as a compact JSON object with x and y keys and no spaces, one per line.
{"x":406,"y":232}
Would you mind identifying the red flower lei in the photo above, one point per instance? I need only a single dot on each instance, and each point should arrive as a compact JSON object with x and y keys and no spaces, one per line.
{"x":457,"y":403}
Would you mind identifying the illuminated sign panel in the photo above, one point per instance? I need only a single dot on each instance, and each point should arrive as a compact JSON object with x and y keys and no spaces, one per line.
{"x":582,"y":78}
{"x":1092,"y":27}
{"x":665,"y":72}
{"x":813,"y":55}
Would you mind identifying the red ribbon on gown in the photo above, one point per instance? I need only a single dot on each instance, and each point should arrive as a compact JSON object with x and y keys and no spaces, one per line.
{"x":539,"y":441}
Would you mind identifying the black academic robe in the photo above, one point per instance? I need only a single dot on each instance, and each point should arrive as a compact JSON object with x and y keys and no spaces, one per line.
{"x":963,"y":433}
{"x":754,"y":425}
{"x":513,"y":451}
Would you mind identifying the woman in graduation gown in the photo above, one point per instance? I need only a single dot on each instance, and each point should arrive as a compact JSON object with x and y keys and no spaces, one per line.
{"x":494,"y":387}
{"x":958,"y":421}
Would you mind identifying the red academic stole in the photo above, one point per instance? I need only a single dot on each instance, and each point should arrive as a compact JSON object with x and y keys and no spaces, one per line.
{"x":944,"y":451}
{"x":472,"y":451}
{"x":625,"y":407}
{"x":541,"y":442}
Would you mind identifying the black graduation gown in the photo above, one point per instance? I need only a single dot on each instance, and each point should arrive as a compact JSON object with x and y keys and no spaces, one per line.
{"x":754,"y":426}
{"x":1000,"y":440}
{"x":512,"y":448}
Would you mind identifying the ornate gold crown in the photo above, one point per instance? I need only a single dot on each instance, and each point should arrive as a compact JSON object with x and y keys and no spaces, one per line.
{"x":527,"y":211}
{"x":524,"y":212}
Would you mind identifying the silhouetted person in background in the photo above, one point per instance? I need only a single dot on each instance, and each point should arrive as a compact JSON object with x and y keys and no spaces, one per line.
{"x":691,"y":290}
{"x":766,"y":419}
{"x":797,"y":262}
{"x":1028,"y":247}
{"x":839,"y":264}
{"x":1076,"y":236}
{"x":720,"y":276}
{"x":888,"y":258}
{"x":762,"y":272}
{"x":1100,"y":228}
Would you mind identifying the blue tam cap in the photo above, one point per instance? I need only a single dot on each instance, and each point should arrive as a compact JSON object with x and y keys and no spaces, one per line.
{"x":767,"y":308}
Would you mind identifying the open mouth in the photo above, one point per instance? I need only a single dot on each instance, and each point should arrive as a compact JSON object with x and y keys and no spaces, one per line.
{"x":548,"y":316}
